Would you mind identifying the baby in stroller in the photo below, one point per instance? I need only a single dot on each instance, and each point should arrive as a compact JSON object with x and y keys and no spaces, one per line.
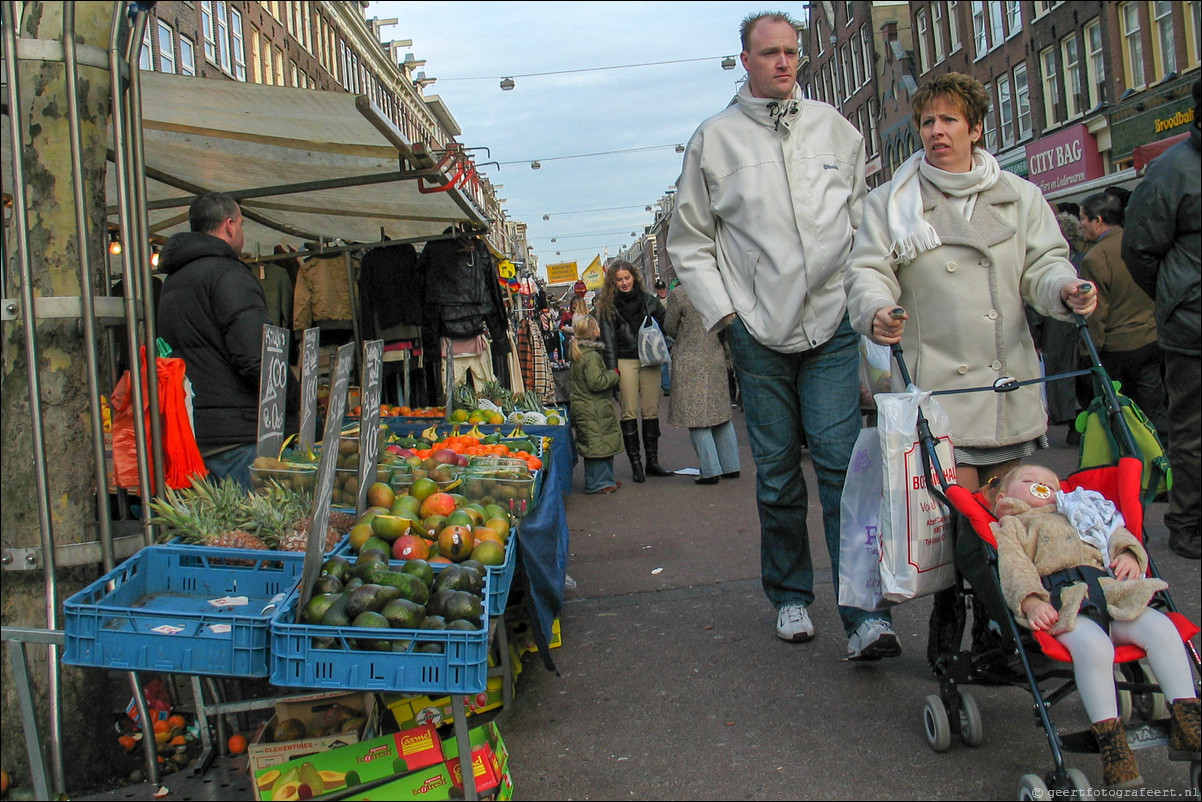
{"x":1068,"y":566}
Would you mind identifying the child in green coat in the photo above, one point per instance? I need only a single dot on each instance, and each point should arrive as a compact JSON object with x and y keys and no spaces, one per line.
{"x":594,"y":420}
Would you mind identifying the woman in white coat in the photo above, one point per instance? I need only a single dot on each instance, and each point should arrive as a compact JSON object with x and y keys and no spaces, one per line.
{"x":960,"y":245}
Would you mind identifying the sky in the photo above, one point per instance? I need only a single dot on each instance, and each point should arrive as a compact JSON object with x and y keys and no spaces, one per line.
{"x":469,"y":46}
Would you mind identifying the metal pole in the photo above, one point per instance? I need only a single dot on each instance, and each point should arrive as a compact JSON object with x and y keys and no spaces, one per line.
{"x":139,"y":246}
{"x":120,"y":145}
{"x":87,"y":291}
{"x":16,"y":118}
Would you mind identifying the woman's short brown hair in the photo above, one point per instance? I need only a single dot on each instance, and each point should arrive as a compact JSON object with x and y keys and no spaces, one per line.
{"x":963,"y":90}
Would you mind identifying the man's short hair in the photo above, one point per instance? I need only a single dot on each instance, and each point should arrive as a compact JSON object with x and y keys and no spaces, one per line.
{"x":1105,"y":206}
{"x":209,"y":211}
{"x":750,"y":21}
{"x":660,"y":285}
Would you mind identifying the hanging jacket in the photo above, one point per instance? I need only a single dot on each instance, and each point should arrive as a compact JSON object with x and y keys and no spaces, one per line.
{"x":391,"y":289}
{"x":462,"y":294}
{"x":323,"y":293}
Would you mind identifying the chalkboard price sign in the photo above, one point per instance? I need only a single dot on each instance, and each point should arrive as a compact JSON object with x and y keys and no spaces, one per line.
{"x":273,"y":391}
{"x":324,"y":494}
{"x":369,"y":419}
{"x":310,"y":341}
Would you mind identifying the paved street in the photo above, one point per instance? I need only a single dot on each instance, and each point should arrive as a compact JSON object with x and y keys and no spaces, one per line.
{"x":674,"y":686}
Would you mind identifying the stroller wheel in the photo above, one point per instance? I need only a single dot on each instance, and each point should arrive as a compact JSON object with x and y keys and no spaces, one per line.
{"x":1124,"y":706}
{"x":1032,"y":787}
{"x":1193,"y":778}
{"x":972,"y":729}
{"x":936,"y":725}
{"x":1080,"y":784}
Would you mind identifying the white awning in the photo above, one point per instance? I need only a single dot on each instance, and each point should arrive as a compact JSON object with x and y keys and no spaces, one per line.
{"x":208,"y":135}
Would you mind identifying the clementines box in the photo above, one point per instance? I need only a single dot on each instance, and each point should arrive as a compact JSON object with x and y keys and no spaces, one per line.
{"x":490,"y":768}
{"x":399,"y":753}
{"x":330,"y":720}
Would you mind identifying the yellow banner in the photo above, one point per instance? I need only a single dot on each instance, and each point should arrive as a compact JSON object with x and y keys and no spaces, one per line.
{"x":562,"y":273}
{"x":594,"y":275}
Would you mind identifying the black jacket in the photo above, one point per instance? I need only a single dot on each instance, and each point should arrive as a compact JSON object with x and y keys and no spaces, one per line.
{"x":462,"y":294}
{"x":212,"y":314}
{"x":620,"y":338}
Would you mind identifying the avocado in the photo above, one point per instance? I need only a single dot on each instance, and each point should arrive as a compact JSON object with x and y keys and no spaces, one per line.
{"x":317,"y":606}
{"x":352,"y":583}
{"x":433,"y":622}
{"x":420,"y":569}
{"x":461,"y":605}
{"x":431,"y":647}
{"x":369,"y":598}
{"x":409,"y":586}
{"x":372,"y":620}
{"x":403,"y":613}
{"x":464,"y":624}
{"x":458,"y":577}
{"x":438,"y":600}
{"x":337,"y":566}
{"x":327,"y":584}
{"x":336,"y":615}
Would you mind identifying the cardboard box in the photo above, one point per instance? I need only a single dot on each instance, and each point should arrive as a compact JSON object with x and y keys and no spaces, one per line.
{"x":373,"y":759}
{"x":522,"y":637}
{"x":412,"y":711}
{"x":490,"y":767}
{"x":312,"y":712}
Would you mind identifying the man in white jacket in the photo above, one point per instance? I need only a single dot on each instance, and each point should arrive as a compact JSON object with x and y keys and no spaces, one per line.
{"x":767,"y":202}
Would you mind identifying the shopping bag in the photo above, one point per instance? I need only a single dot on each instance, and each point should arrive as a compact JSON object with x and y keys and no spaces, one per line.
{"x":916,"y":528}
{"x":653,"y":349}
{"x":875,"y":371}
{"x":1100,"y":445}
{"x":860,"y":526}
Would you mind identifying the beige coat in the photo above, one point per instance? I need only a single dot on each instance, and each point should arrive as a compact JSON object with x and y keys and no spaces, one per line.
{"x":700,"y":387}
{"x":1033,"y":542}
{"x":967,"y":325}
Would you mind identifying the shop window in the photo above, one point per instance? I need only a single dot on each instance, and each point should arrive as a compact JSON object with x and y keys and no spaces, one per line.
{"x":924,"y":56}
{"x":1164,"y":50}
{"x":187,"y":56}
{"x":1070,"y":57}
{"x":937,"y":30}
{"x":953,"y":25}
{"x":1133,"y":47}
{"x":1095,"y":65}
{"x":1051,"y":86}
{"x":1022,"y":101}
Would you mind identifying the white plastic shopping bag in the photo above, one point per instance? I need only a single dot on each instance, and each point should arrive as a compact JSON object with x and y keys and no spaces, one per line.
{"x":916,"y":528}
{"x":860,"y":525}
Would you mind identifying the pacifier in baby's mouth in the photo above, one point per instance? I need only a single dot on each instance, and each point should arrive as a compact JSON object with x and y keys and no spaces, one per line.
{"x":1041,"y":491}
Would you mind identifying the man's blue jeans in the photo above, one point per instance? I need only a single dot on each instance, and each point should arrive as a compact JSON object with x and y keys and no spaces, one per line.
{"x":818,"y":392}
{"x":233,"y":463}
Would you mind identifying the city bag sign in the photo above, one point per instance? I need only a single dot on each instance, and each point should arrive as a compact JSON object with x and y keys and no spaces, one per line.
{"x":1064,"y":159}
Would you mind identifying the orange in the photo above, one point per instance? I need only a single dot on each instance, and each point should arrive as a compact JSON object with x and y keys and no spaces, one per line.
{"x":177,"y":722}
{"x":179,"y":740}
{"x":128,"y":742}
{"x":534,"y":463}
{"x":237,"y":744}
{"x":162,"y":732}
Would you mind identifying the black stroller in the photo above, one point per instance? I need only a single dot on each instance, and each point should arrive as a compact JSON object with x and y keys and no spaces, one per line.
{"x":1004,"y":654}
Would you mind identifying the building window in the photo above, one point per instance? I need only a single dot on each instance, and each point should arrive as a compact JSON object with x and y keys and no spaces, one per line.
{"x":1133,"y":48}
{"x":166,"y":48}
{"x":1022,"y":100}
{"x":990,"y":125}
{"x":145,"y":53}
{"x":924,"y":56}
{"x":848,"y":9}
{"x":1072,"y":76}
{"x":873,"y":112}
{"x":187,"y":56}
{"x":1094,"y":63}
{"x":846,"y":56}
{"x":279,"y":66}
{"x":997,"y":31}
{"x":294,"y":72}
{"x":1014,"y":16}
{"x":237,"y":45}
{"x":818,"y":36}
{"x":1165,"y":50}
{"x":256,"y":57}
{"x":1051,"y":86}
{"x":206,"y":25}
{"x":223,"y":35}
{"x":937,"y":30}
{"x":1006,"y":110}
{"x":978,"y":28}
{"x":953,"y":25}
{"x":866,"y":49}
{"x":307,"y":26}
{"x":1193,"y":30}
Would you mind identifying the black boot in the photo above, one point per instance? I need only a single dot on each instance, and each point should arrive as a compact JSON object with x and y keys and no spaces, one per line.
{"x":651,"y":447}
{"x":630,"y":439}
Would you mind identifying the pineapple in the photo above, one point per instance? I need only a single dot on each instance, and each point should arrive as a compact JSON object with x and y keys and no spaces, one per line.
{"x":282,"y":514}
{"x":207,"y":514}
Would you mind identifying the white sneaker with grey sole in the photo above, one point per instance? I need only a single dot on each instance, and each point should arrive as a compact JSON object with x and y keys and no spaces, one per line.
{"x":872,"y":640}
{"x":793,"y":623}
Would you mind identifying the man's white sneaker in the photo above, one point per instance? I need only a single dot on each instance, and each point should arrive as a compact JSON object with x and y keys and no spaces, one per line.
{"x":793,"y":623}
{"x":872,"y":640}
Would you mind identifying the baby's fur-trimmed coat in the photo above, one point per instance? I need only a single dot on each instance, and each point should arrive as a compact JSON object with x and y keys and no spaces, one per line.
{"x":1034,"y":542}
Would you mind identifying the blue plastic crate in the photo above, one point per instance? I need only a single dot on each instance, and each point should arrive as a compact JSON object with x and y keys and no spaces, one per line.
{"x":500,"y":577}
{"x":159,"y":613}
{"x":299,"y":659}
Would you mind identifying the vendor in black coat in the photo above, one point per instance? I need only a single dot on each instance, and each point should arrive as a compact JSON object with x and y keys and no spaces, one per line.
{"x":622,"y":306}
{"x":212,"y":314}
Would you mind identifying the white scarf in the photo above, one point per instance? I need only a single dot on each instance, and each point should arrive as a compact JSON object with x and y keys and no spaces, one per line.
{"x":780,"y":114}
{"x":1093,"y":516}
{"x":909,"y":232}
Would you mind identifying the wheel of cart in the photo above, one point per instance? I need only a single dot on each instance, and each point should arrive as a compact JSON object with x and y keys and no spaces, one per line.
{"x":1072,"y":784}
{"x":960,"y":715}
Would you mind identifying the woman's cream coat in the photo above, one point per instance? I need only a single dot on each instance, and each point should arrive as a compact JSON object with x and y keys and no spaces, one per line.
{"x":967,"y":325}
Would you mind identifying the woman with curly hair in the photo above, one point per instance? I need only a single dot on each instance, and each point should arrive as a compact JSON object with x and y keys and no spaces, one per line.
{"x":622,"y":306}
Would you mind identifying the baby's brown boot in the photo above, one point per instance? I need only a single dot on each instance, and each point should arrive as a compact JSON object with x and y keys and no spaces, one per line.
{"x":1183,"y":736}
{"x":1118,"y":764}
